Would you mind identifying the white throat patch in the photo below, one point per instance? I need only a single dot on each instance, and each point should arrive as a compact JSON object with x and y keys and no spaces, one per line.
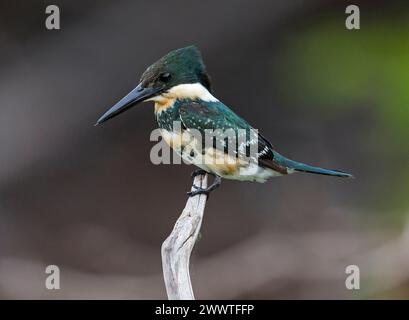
{"x":185,"y":91}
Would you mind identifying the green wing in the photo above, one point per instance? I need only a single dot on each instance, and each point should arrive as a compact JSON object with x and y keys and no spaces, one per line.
{"x":210,"y":115}
{"x":215,"y":115}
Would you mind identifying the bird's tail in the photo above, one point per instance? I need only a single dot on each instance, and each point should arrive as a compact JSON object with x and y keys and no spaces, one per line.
{"x":298,"y":166}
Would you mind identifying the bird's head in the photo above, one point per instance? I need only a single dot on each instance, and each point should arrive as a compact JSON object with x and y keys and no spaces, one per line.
{"x":179,"y":67}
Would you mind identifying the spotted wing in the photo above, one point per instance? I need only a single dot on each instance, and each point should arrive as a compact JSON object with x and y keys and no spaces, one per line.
{"x":215,"y":115}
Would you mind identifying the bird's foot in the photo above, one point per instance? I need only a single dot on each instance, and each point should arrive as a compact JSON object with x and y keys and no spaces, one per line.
{"x":216,"y":183}
{"x":198,"y":172}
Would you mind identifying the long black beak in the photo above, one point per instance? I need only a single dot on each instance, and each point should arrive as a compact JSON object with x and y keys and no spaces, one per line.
{"x":137,"y":95}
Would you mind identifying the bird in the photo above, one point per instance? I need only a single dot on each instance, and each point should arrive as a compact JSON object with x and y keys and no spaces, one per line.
{"x":180,"y":87}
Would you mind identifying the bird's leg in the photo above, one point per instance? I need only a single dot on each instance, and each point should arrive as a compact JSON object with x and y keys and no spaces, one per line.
{"x":198,"y":172}
{"x":216,"y":183}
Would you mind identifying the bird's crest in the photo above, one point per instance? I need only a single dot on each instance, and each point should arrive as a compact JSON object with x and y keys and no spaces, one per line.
{"x":184,"y":65}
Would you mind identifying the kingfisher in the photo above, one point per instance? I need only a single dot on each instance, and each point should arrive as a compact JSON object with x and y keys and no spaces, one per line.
{"x":180,"y":88}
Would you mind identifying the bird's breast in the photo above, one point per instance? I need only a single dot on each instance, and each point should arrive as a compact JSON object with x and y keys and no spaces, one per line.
{"x":164,"y":104}
{"x":192,"y":151}
{"x":167,"y":116}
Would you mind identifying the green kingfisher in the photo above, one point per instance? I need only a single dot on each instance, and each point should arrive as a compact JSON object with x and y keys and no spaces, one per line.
{"x":180,"y":88}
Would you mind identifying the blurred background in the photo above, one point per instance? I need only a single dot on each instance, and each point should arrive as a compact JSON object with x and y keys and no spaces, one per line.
{"x":88,"y":199}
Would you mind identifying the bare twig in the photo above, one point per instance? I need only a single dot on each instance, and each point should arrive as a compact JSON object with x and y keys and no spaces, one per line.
{"x":176,"y":249}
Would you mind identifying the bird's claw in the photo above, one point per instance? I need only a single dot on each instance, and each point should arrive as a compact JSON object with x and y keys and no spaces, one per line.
{"x":198,"y":191}
{"x":198,"y":172}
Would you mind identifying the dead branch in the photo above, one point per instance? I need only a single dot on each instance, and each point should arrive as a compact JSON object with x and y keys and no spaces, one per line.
{"x":176,"y":249}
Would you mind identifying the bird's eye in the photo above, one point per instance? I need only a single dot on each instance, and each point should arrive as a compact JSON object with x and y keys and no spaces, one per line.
{"x":165,"y":77}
